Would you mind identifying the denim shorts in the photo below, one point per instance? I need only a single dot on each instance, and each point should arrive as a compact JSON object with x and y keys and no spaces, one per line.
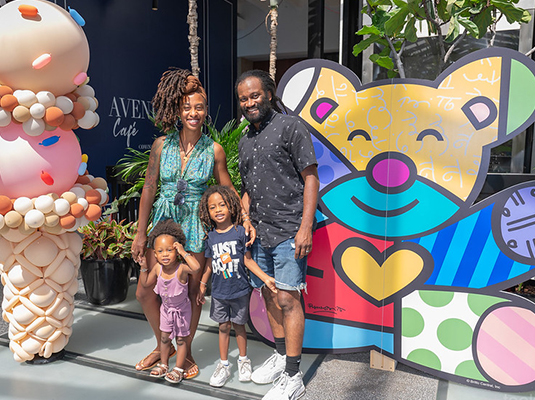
{"x":280,"y":262}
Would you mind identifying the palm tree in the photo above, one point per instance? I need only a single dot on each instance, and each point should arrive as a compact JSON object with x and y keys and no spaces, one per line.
{"x":193,"y":37}
{"x":273,"y":15}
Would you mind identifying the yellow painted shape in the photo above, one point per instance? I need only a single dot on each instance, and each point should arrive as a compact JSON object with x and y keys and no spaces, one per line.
{"x":381,"y":281}
{"x":394,"y":114}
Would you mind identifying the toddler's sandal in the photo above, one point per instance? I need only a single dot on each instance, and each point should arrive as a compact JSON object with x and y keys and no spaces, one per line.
{"x":175,"y":375}
{"x":159,"y":371}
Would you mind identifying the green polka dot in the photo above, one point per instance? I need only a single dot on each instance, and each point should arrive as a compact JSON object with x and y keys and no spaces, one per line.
{"x":479,"y":303}
{"x":468,"y":369}
{"x":412,"y":322}
{"x":454,"y":334}
{"x":425,"y":357}
{"x":436,"y":299}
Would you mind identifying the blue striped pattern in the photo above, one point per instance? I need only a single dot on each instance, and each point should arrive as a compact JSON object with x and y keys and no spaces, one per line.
{"x":328,"y":335}
{"x":466,"y":255}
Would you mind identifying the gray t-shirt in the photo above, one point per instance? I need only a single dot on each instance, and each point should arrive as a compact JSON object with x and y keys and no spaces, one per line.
{"x":271,"y":162}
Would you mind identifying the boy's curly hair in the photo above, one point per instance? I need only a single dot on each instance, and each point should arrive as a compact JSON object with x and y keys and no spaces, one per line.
{"x":175,"y":83}
{"x":231,"y":199}
{"x":167,"y":227}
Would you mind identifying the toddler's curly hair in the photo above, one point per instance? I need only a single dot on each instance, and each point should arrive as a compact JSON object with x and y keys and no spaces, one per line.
{"x":167,"y":227}
{"x":231,"y":199}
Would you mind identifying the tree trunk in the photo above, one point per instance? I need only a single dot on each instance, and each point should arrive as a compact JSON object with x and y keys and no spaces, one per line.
{"x":193,"y":38}
{"x":273,"y":15}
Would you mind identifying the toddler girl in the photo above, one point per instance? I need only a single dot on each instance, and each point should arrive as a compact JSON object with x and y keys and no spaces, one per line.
{"x":170,"y":275}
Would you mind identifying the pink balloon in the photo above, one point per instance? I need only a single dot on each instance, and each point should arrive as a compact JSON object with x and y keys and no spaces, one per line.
{"x":35,"y":165}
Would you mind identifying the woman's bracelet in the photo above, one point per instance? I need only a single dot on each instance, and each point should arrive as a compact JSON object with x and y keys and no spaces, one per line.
{"x":246,"y":219}
{"x":143,"y":270}
{"x":203,"y":283}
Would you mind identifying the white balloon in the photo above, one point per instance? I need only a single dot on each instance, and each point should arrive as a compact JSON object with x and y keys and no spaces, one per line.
{"x":86,"y":90}
{"x":25,"y":97}
{"x":37,"y":110}
{"x":78,"y":191}
{"x":83,"y":202}
{"x":88,"y":120}
{"x":34,"y":218}
{"x":46,"y":98}
{"x":61,"y":207}
{"x":64,"y":104}
{"x":44,"y":203}
{"x":22,"y":205}
{"x":5,"y":118}
{"x":34,"y":127}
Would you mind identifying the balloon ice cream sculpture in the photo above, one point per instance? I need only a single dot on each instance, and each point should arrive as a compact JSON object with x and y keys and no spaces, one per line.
{"x":46,"y":193}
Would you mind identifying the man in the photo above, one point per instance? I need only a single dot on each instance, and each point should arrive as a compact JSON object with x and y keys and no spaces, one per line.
{"x":280,"y":182}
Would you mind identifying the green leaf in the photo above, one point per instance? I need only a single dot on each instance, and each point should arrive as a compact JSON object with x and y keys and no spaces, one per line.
{"x":379,"y":18}
{"x":410,"y":31}
{"x":364,"y":44}
{"x":396,"y":23}
{"x":369,"y":30}
{"x":453,"y":31}
{"x":392,"y":73}
{"x":483,"y":21}
{"x":385,"y":62}
{"x":512,"y":13}
{"x":472,"y":28}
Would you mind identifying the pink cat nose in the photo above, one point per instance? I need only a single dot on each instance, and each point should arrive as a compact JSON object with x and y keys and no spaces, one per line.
{"x":391,"y":172}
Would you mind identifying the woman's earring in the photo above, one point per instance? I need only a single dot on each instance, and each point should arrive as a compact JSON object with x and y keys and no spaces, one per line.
{"x":208,"y":120}
{"x":178,"y":124}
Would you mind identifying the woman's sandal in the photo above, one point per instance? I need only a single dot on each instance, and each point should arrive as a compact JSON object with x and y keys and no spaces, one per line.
{"x":192,"y":371}
{"x":175,"y":375}
{"x":140,"y":366}
{"x":159,"y":371}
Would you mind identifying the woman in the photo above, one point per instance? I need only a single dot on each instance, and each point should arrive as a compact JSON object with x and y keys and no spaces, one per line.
{"x":182,"y":161}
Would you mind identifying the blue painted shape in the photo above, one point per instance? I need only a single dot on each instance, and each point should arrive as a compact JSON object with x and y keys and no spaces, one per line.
{"x":418,"y":209}
{"x":328,"y":335}
{"x":488,"y":257}
{"x":50,"y":141}
{"x":519,"y":269}
{"x":76,"y":16}
{"x":475,"y":247}
{"x":500,"y":270}
{"x":439,"y":251}
{"x":330,"y":167}
{"x":456,"y":250}
{"x":320,"y":217}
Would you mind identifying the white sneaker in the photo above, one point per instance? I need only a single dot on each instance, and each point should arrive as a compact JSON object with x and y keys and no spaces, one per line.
{"x":220,"y":375}
{"x":286,"y":388}
{"x":270,"y":370}
{"x":244,"y":370}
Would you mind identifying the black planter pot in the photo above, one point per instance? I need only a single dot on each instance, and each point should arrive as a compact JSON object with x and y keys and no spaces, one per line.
{"x":106,"y":281}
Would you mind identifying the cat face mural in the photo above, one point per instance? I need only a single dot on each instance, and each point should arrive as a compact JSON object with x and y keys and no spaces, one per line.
{"x":403,"y":261}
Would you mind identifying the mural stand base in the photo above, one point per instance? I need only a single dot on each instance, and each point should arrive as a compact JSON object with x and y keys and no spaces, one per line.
{"x":380,"y":361}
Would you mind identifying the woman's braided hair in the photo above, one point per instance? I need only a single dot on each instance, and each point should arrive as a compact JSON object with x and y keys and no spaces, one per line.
{"x":268,"y":85}
{"x":232,"y":201}
{"x":174,"y":85}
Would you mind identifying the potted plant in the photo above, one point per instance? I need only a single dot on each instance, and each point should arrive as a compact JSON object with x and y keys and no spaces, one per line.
{"x":106,"y":260}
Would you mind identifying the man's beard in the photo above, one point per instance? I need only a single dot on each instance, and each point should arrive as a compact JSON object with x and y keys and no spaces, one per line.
{"x":263,"y":107}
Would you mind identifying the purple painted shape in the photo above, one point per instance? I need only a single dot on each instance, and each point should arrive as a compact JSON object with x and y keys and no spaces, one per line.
{"x":518,"y":222}
{"x":391,"y":173}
